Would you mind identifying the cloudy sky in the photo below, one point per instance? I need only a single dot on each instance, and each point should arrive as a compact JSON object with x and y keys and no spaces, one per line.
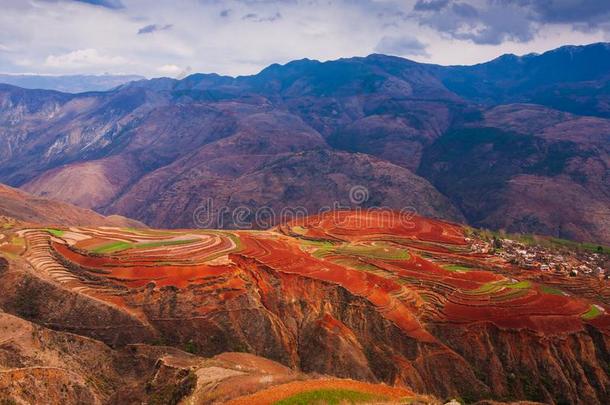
{"x":177,"y":37}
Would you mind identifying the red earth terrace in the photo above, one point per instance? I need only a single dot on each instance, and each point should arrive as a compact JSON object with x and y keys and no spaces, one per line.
{"x":415,"y":304}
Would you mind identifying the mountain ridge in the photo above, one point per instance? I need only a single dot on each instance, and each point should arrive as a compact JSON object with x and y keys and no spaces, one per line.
{"x":67,"y":83}
{"x":17,"y":205}
{"x":395,"y":110}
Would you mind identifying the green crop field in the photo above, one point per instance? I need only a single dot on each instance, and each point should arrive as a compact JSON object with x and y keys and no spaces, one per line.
{"x":55,"y":232}
{"x":379,"y":250}
{"x":497,"y":286}
{"x":551,"y":290}
{"x":376,"y":251}
{"x":320,"y":248}
{"x":456,"y":267}
{"x":112,"y":247}
{"x":592,"y":313}
{"x":509,"y":294}
{"x":299,"y":230}
{"x":522,"y":285}
{"x":355,"y":264}
{"x":330,"y":397}
{"x":164,"y":243}
{"x":118,"y":246}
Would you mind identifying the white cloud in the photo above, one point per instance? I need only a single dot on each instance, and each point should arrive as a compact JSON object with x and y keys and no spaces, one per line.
{"x":401,"y":46}
{"x":83,"y":58}
{"x":170,"y":70}
{"x":23,"y":62}
{"x":63,"y":36}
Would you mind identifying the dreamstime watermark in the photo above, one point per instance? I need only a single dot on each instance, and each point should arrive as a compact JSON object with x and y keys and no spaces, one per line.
{"x":209,"y":216}
{"x":358,"y":195}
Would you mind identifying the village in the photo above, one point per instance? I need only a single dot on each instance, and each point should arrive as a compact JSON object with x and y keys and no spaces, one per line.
{"x":559,"y":260}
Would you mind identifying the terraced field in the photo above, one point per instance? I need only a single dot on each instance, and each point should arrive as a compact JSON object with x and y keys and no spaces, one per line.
{"x":404,"y":268}
{"x":354,"y":283}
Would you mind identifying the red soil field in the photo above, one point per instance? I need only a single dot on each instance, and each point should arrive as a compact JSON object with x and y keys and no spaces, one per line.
{"x":397,"y":264}
{"x":343,"y":294}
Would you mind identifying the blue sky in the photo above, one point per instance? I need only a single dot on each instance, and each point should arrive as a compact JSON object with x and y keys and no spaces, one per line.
{"x":175,"y":38}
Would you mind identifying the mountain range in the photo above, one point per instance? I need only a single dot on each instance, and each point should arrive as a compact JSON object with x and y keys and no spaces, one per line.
{"x":517,"y":143}
{"x":68,"y":83}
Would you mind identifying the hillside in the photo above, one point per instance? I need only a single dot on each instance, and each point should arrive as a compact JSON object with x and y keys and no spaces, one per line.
{"x":18,"y":205}
{"x":76,"y":369}
{"x":423,"y":305}
{"x":496,"y":143}
{"x":570,"y":78}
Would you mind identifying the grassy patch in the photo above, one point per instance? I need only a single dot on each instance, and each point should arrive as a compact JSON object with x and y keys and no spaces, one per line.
{"x":190,"y":347}
{"x":355,"y":264}
{"x":318,"y":249}
{"x":456,"y":267}
{"x":377,"y":251}
{"x":330,"y":397}
{"x":321,"y":249}
{"x":497,"y":286}
{"x":119,"y":246}
{"x":487,"y":288}
{"x":55,"y":232}
{"x":299,"y":230}
{"x":235,"y":239}
{"x":113,"y":247}
{"x":550,"y":290}
{"x":18,"y":241}
{"x":521,"y":285}
{"x":548,"y":242}
{"x":592,"y":313}
{"x":509,"y":294}
{"x":591,"y":247}
{"x":164,"y":243}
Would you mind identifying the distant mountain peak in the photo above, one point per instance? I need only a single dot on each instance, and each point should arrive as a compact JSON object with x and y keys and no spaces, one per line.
{"x":68,"y":83}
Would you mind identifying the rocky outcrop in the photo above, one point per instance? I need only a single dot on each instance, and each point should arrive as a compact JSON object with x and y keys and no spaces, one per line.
{"x":38,"y":365}
{"x":47,"y":304}
{"x":516,"y":364}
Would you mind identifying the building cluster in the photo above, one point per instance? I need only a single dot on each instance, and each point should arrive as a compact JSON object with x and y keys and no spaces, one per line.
{"x":566,"y":261}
